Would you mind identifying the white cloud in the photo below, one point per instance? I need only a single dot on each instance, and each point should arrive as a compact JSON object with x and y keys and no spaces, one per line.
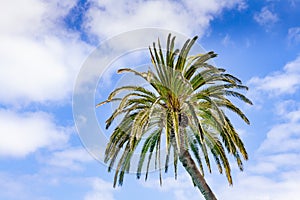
{"x":285,"y":137}
{"x":22,"y":134}
{"x":73,"y":159}
{"x":282,"y":142}
{"x":101,"y":190}
{"x":46,"y":185}
{"x":253,"y":187}
{"x":294,"y":35}
{"x":263,"y":167}
{"x":286,"y":81}
{"x":108,"y":18}
{"x":181,"y":189}
{"x":288,"y":110}
{"x":33,"y":18}
{"x":266,"y":17}
{"x":10,"y":187}
{"x":15,"y":19}
{"x":37,"y":71}
{"x":39,"y":59}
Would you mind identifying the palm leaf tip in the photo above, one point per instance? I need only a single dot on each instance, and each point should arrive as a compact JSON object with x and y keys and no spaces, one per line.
{"x":101,"y":103}
{"x":212,"y":54}
{"x":122,"y":70}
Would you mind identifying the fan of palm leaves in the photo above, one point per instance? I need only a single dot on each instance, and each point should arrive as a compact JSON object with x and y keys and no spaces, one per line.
{"x":184,"y":111}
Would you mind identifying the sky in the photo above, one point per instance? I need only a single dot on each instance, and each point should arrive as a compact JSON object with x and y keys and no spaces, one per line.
{"x":45,"y":46}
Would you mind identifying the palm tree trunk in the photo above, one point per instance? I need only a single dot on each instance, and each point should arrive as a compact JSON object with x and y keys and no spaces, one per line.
{"x":191,"y":167}
{"x":198,"y":179}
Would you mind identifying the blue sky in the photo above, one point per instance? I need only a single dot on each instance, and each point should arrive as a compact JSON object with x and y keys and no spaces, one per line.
{"x":45,"y":44}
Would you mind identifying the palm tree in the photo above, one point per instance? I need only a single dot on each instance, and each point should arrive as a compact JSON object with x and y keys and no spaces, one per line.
{"x":185,"y":108}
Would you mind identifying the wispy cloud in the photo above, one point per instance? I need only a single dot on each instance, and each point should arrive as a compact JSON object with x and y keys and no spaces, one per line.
{"x":45,"y":185}
{"x":294,"y":35}
{"x":69,"y":158}
{"x":180,"y":189}
{"x":227,"y":40}
{"x":266,"y":17}
{"x":100,"y":190}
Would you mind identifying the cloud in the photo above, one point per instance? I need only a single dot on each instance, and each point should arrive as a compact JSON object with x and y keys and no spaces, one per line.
{"x":294,"y":35}
{"x":285,"y":137}
{"x":71,"y":159}
{"x":266,"y":17}
{"x":288,"y":110}
{"x":282,"y":82}
{"x":21,"y":16}
{"x":51,"y":185}
{"x":101,"y":190}
{"x":38,"y":72}
{"x":39,"y":58}
{"x":106,"y":18}
{"x":35,"y":18}
{"x":181,"y":189}
{"x":24,"y":133}
{"x":11,"y":187}
{"x":253,"y":187}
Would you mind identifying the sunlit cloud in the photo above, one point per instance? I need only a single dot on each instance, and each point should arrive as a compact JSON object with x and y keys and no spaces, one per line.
{"x":39,"y":59}
{"x":106,"y":18}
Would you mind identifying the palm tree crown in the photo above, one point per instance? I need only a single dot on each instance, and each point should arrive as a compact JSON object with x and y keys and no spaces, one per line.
{"x":185,"y":110}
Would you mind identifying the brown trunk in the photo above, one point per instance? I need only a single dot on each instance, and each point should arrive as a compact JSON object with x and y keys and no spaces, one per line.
{"x":191,"y":167}
{"x":198,"y":179}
